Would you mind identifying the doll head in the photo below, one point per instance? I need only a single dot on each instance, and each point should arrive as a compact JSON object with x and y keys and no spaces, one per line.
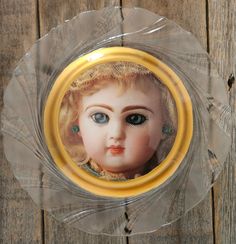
{"x":119,"y":119}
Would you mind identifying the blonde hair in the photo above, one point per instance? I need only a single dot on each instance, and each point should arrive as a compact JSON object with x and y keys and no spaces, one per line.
{"x":125,"y":75}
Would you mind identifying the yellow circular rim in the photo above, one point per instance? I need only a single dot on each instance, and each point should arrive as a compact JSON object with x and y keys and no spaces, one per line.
{"x":132,"y":187}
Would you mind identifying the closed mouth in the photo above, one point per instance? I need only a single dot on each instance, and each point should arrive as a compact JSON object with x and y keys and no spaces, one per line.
{"x":116,"y":149}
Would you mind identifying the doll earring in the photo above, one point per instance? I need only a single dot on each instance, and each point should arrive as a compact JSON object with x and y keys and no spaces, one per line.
{"x":167,"y":129}
{"x":75,"y":129}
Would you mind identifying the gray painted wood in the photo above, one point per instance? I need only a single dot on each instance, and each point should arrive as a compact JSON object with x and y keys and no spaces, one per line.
{"x":214,"y":24}
{"x":195,"y":226}
{"x":55,"y":12}
{"x":189,"y":14}
{"x":20,"y":218}
{"x":222,"y":48}
{"x":51,"y":14}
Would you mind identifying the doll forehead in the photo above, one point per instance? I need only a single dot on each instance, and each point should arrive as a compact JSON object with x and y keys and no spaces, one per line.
{"x":125,"y":92}
{"x":133,"y":89}
{"x":132,"y":97}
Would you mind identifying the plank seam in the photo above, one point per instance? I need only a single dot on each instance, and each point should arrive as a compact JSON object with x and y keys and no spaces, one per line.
{"x":212,"y":190}
{"x":207,"y":26}
{"x":38,"y":19}
{"x":38,"y":27}
{"x":122,"y":17}
{"x":43,"y":227}
{"x":213,"y":215}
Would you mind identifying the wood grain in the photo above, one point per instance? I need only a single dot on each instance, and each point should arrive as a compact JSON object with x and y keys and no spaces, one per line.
{"x":214,"y":25}
{"x":189,"y":14}
{"x":53,"y":13}
{"x":196,"y":226}
{"x":222,"y":48}
{"x":20,"y":218}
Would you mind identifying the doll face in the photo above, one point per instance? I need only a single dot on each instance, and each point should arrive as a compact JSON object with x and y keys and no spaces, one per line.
{"x":121,"y":132}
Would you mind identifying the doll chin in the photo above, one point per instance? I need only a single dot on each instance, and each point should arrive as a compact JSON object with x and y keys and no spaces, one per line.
{"x":123,"y":170}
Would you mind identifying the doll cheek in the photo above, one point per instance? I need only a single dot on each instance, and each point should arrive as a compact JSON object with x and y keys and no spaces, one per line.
{"x":78,"y":134}
{"x":79,"y":131}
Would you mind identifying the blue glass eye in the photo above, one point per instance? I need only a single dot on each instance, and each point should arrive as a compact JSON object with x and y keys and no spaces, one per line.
{"x":135,"y":119}
{"x":100,"y":118}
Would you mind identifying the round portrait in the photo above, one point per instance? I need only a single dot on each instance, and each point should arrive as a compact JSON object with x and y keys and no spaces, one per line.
{"x":118,"y":121}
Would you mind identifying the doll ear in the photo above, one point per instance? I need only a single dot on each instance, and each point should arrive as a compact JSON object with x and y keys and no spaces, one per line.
{"x":73,"y":136}
{"x":75,"y":129}
{"x":167,"y":130}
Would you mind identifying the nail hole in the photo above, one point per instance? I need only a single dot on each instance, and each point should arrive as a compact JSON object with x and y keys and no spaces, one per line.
{"x":127,"y":230}
{"x":231,"y":81}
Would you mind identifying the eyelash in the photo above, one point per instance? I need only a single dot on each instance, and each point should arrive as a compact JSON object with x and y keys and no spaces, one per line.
{"x":132,"y":119}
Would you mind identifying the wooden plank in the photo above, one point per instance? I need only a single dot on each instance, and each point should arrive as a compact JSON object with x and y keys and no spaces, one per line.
{"x":21,"y":219}
{"x":189,"y":14}
{"x":196,"y":226}
{"x":222,"y":47}
{"x":52,"y":13}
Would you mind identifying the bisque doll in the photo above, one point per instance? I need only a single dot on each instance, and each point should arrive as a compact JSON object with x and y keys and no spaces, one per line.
{"x":117,"y":121}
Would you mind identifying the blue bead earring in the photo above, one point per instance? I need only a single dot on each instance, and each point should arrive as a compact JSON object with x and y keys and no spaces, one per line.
{"x":75,"y":129}
{"x":168,"y":130}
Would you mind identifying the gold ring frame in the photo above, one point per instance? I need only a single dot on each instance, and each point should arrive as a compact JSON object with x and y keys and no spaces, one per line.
{"x":142,"y":184}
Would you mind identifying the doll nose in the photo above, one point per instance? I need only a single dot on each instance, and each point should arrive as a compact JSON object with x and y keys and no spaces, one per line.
{"x":117,"y":131}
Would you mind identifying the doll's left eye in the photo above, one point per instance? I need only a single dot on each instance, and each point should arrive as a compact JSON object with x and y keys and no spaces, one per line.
{"x":135,"y":119}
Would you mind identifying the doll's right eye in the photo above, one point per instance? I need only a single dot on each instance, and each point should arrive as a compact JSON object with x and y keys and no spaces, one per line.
{"x":100,"y":118}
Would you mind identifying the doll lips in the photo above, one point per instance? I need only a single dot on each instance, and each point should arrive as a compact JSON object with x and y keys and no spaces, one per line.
{"x":116,"y":150}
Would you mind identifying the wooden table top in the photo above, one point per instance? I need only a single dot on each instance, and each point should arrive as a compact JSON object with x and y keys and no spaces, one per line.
{"x":214,"y":24}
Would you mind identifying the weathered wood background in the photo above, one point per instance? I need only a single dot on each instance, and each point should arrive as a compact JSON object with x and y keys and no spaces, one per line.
{"x":213,"y":22}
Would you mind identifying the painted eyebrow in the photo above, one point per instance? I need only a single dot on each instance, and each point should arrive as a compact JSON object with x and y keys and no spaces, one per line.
{"x":128,"y":108}
{"x":100,"y":105}
{"x":133,"y":107}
